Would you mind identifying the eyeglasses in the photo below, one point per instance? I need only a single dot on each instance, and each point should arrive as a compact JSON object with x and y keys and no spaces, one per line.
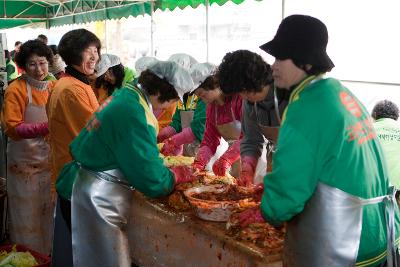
{"x":34,"y":65}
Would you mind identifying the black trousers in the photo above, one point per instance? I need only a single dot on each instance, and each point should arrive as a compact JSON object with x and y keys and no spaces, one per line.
{"x":62,"y":241}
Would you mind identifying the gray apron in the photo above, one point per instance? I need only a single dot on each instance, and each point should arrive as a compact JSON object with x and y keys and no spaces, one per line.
{"x":328,"y":231}
{"x":189,"y":150}
{"x":231,"y":132}
{"x":29,"y":186}
{"x":101,"y":204}
{"x":270,"y":132}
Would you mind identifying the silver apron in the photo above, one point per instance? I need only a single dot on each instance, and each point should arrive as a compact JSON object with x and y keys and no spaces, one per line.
{"x":100,"y":208}
{"x":231,"y":132}
{"x":189,"y":150}
{"x":328,"y":231}
{"x":270,"y":132}
{"x":29,"y":186}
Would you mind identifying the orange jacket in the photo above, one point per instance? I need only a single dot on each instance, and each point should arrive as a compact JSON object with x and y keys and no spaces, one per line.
{"x":15,"y":102}
{"x":101,"y":94}
{"x":70,"y":106}
{"x":165,"y":117}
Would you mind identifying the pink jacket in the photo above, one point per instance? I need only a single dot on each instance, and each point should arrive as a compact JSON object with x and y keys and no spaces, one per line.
{"x":211,"y":136}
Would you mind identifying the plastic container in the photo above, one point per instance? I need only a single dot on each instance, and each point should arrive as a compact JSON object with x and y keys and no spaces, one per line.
{"x":44,"y":261}
{"x":218,"y":211}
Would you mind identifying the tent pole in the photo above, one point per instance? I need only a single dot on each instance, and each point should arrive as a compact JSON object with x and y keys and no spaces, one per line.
{"x":283,"y":9}
{"x":152,"y":29}
{"x":105,"y":35}
{"x":207,"y":30}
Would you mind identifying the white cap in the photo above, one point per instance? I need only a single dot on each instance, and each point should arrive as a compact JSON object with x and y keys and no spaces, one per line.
{"x":58,"y":65}
{"x":200,"y":72}
{"x":184,"y":60}
{"x":143,"y":63}
{"x":107,"y":61}
{"x":177,"y":76}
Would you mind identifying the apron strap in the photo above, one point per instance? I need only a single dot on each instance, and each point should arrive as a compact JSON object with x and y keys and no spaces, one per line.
{"x":390,"y":204}
{"x":113,"y":175}
{"x":276,"y":105}
{"x":29,"y":91}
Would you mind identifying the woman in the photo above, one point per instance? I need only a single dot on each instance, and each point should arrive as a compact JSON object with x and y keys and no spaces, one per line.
{"x":28,"y":170}
{"x":224,"y":114}
{"x":111,"y":75}
{"x":71,"y":104}
{"x":186,"y":130}
{"x":115,"y":152}
{"x":329,"y":177}
{"x":262,"y":111}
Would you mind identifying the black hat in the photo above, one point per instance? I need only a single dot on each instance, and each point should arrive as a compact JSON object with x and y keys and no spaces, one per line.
{"x":302,"y":39}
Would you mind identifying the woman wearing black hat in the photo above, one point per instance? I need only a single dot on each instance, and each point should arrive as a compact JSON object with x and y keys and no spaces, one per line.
{"x":329,"y":180}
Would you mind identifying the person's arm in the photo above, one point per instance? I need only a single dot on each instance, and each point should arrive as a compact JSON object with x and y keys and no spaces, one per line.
{"x":210,"y":142}
{"x":293,"y":180}
{"x":231,"y":155}
{"x":173,"y":145}
{"x":176,"y":121}
{"x":15,"y":101}
{"x":253,"y":140}
{"x":211,"y":137}
{"x":136,"y":152}
{"x":78,"y":105}
{"x":251,"y":145}
{"x":199,"y":120}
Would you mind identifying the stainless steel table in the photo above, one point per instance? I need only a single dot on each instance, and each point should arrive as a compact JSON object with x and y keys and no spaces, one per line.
{"x":160,"y":236}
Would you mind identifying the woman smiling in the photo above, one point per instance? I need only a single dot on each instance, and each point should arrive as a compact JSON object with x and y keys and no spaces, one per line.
{"x":25,"y":122}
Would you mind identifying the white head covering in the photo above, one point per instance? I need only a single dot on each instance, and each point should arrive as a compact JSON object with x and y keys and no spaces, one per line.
{"x":200,"y":72}
{"x":177,"y":76}
{"x":184,"y":60}
{"x":58,"y":65}
{"x":143,"y":63}
{"x":107,"y":61}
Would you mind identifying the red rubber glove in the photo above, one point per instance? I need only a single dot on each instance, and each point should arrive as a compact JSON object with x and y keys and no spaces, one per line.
{"x":171,"y":149}
{"x":227,"y":159}
{"x":202,"y":158}
{"x":249,"y":165}
{"x":183,"y":174}
{"x":251,"y":216}
{"x":174,"y":145}
{"x":220,"y":166}
{"x":32,"y":130}
{"x":165,"y":133}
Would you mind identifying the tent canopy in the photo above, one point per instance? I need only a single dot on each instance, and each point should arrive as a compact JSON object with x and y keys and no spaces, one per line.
{"x":15,"y":13}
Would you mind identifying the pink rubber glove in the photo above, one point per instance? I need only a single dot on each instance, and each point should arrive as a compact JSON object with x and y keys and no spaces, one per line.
{"x":227,"y":159}
{"x":32,"y":130}
{"x":183,"y":174}
{"x":249,"y":165}
{"x":165,"y":133}
{"x":174,"y":145}
{"x":184,"y":137}
{"x":202,"y":158}
{"x":251,"y":216}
